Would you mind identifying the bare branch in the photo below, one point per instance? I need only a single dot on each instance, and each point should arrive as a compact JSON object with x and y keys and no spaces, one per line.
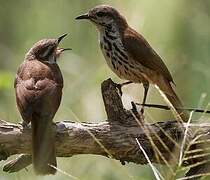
{"x":117,"y":135}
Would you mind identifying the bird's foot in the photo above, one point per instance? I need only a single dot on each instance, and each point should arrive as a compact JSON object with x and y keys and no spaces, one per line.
{"x":119,"y":86}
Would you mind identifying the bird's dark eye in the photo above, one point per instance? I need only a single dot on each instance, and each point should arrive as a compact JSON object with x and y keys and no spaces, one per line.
{"x":100,"y":14}
{"x":46,"y":52}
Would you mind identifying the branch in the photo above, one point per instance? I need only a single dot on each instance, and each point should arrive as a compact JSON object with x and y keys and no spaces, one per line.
{"x":114,"y":138}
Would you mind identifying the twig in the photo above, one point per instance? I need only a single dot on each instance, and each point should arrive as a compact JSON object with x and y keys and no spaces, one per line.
{"x":158,"y":106}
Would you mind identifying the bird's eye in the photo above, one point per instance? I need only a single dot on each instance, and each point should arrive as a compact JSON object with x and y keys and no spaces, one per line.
{"x":46,"y":52}
{"x":100,"y":14}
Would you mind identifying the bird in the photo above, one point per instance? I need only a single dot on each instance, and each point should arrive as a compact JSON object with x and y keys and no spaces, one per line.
{"x":129,"y":54}
{"x":38,"y":88}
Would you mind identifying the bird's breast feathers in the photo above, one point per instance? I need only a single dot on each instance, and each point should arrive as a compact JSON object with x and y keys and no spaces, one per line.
{"x":35,"y":75}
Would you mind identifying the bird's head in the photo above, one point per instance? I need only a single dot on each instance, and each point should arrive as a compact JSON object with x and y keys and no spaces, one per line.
{"x":47,"y":50}
{"x":104,"y":16}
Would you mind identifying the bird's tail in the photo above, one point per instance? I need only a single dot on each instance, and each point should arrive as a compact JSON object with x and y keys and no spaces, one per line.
{"x":166,"y":88}
{"x":43,"y":147}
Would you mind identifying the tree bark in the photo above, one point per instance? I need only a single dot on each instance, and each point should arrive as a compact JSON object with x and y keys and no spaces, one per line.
{"x":118,"y":137}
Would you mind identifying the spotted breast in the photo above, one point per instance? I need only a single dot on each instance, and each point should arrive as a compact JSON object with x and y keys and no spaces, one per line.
{"x":117,"y":58}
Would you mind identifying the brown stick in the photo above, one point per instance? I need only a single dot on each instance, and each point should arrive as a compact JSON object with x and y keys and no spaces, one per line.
{"x":159,"y":106}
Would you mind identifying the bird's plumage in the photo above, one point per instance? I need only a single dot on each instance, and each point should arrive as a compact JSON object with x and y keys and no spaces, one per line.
{"x":129,"y":55}
{"x":35,"y":84}
{"x":38,"y":95}
{"x":141,"y":52}
{"x":38,"y":88}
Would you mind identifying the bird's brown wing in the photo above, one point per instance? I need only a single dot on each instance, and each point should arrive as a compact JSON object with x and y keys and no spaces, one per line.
{"x":24,"y":96}
{"x":140,"y":51}
{"x":32,"y":92}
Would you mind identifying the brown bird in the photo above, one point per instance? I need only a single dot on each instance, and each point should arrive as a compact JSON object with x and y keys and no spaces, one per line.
{"x":38,"y":86}
{"x":129,"y":55}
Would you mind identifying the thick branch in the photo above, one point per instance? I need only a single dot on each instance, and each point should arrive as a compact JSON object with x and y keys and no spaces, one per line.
{"x":77,"y":138}
{"x":115,"y":137}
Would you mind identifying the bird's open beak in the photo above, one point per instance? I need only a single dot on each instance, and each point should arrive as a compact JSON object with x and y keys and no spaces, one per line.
{"x":60,"y":50}
{"x":83,"y":16}
{"x":61,"y":37}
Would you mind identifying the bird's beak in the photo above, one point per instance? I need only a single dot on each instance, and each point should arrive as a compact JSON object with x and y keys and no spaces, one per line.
{"x":83,"y":16}
{"x":59,"y":51}
{"x":61,"y":37}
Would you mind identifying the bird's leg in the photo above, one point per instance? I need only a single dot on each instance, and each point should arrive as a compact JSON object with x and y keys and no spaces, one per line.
{"x":146,"y":88}
{"x":119,"y":86}
{"x":138,"y":116}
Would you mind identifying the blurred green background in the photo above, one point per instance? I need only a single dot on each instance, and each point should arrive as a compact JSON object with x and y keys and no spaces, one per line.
{"x":178,"y":30}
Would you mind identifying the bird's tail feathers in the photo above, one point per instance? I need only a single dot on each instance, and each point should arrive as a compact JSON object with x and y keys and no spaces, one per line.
{"x":172,"y":98}
{"x":43,"y":148}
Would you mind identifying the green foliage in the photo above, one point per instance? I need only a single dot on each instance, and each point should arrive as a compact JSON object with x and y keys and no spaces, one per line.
{"x":6,"y":78}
